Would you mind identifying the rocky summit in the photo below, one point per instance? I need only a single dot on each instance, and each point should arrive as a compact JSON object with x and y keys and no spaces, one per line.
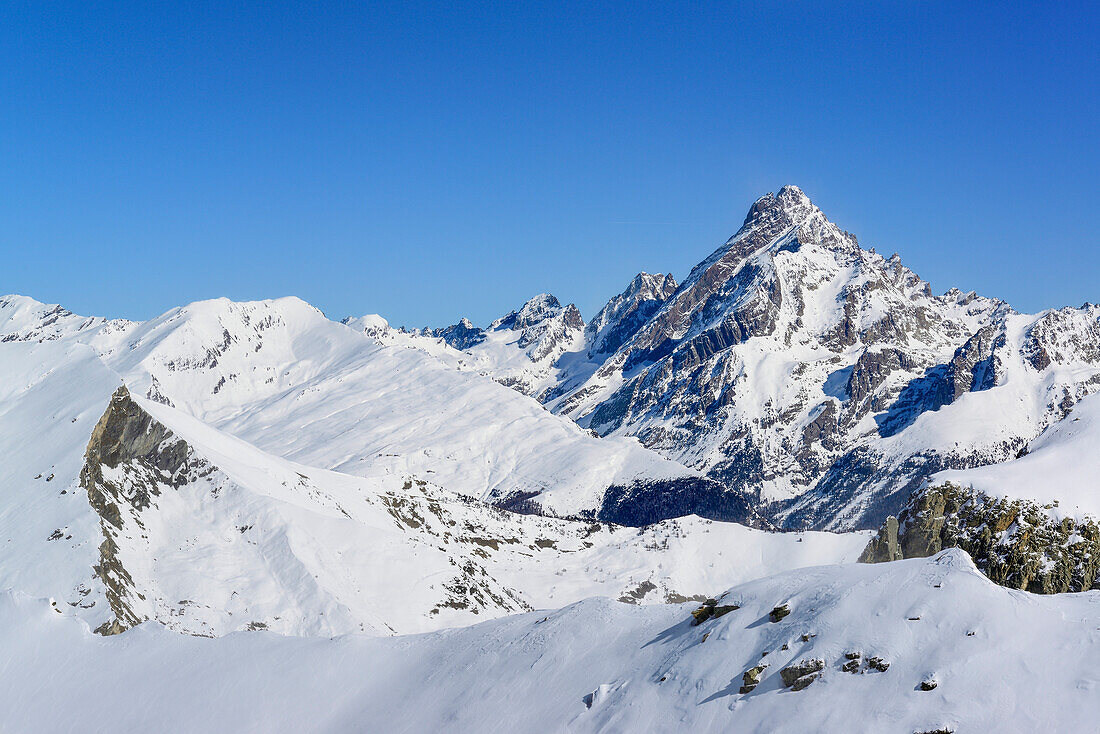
{"x":820,"y":379}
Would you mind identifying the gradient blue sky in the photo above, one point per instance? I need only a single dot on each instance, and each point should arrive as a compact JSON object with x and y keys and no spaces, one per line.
{"x":429,"y":161}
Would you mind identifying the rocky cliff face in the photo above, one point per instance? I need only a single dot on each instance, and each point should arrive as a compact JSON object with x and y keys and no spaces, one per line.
{"x":1017,"y":543}
{"x":627,"y":312}
{"x":130,"y":459}
{"x":827,"y":379}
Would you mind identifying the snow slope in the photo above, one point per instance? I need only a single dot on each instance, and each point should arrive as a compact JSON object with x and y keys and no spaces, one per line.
{"x":249,"y":539}
{"x":240,"y":538}
{"x":1001,"y":660}
{"x":1062,"y":465}
{"x":51,"y":395}
{"x":280,"y":375}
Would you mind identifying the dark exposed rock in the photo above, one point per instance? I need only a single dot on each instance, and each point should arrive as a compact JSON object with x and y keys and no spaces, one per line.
{"x":711,"y":610}
{"x":822,"y":429}
{"x":877,"y":663}
{"x":779,"y":612}
{"x":126,"y":434}
{"x":872,"y":368}
{"x":647,"y":502}
{"x":804,"y":681}
{"x":633,"y":596}
{"x":114,"y":627}
{"x":751,"y":678}
{"x":461,"y":336}
{"x":795,"y":676}
{"x":884,"y":546}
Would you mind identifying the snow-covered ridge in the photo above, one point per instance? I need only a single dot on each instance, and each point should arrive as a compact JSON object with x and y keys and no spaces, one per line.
{"x":282,"y":376}
{"x":180,"y":523}
{"x":1061,"y":466}
{"x":821,"y":381}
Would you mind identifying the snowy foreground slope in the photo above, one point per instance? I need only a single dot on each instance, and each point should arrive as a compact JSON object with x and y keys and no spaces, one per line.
{"x":1000,"y":660}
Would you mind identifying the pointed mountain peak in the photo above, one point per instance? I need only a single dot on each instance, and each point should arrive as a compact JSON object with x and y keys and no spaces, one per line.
{"x":540,"y":304}
{"x":538,"y":309}
{"x":790,"y":202}
{"x":650,"y":284}
{"x":792,"y":193}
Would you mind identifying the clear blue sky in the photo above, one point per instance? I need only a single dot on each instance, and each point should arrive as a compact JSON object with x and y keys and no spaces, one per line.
{"x":429,"y":161}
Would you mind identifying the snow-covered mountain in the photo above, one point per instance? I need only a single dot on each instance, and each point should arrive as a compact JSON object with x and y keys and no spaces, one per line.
{"x":823,"y":378}
{"x":925,"y":645}
{"x":237,"y":470}
{"x":255,"y":466}
{"x":792,"y":375}
{"x":280,"y":375}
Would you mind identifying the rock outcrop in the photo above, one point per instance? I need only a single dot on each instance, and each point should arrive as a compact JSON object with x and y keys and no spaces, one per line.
{"x":461,"y":336}
{"x":153,"y":456}
{"x":801,"y":674}
{"x":1017,"y":543}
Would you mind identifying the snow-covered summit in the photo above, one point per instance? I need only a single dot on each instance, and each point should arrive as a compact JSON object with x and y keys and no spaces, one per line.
{"x":370,"y":324}
{"x":796,"y":363}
